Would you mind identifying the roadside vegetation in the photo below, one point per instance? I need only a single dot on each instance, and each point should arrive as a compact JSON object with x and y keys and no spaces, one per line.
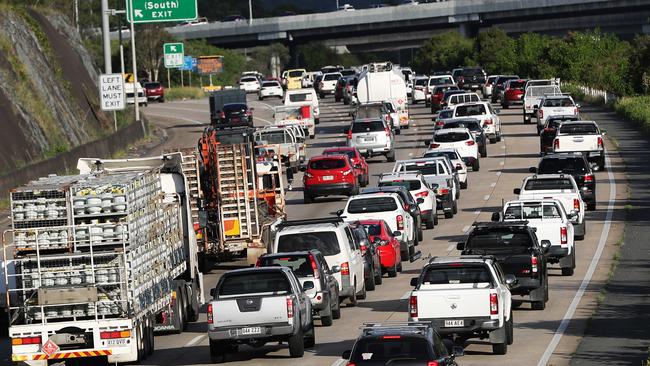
{"x":178,"y":93}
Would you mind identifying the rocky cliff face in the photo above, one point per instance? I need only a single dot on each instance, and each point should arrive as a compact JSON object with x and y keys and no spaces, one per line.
{"x":48,"y":96}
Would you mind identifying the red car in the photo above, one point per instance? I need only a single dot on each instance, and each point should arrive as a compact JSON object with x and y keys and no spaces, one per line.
{"x":389,"y":246}
{"x":154,"y":91}
{"x":513,"y":93}
{"x":359,"y":162}
{"x":328,"y":175}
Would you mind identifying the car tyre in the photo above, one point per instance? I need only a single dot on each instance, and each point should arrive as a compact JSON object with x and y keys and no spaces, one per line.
{"x":429,"y":224}
{"x":400,"y":268}
{"x":392,"y":272}
{"x":476,"y":166}
{"x":455,"y":207}
{"x":435,"y":218}
{"x":390,"y":157}
{"x":449,"y":214}
{"x":261,"y":98}
{"x":378,"y":277}
{"x":217,"y":352}
{"x":591,"y":206}
{"x":362,"y":295}
{"x":510,"y":329}
{"x":326,"y":320}
{"x":463,"y":185}
{"x":310,"y":339}
{"x":297,"y":345}
{"x":500,"y":348}
{"x":336,"y":312}
{"x":370,"y":281}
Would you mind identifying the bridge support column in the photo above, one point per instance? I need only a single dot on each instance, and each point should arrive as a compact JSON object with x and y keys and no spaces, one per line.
{"x":469,"y":29}
{"x":295,"y":56}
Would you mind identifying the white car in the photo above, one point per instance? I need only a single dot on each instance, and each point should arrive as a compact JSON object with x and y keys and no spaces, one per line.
{"x":270,"y":89}
{"x":300,"y":96}
{"x":462,"y":98}
{"x":484,"y":112}
{"x":250,"y":84}
{"x":456,"y":160}
{"x":489,"y":86}
{"x":437,"y":80}
{"x":460,"y":139}
{"x":419,"y":189}
{"x":419,"y":89}
{"x":142,"y":95}
{"x":328,"y":83}
{"x":388,"y":207}
{"x":555,"y":105}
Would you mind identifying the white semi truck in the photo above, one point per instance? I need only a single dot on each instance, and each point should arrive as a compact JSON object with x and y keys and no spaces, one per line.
{"x":97,"y":262}
{"x":385,"y":82}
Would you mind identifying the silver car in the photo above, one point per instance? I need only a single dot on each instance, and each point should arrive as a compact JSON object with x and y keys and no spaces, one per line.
{"x":372,"y":137}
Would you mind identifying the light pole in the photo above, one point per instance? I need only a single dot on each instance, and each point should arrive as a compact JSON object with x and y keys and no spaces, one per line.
{"x":337,"y":4}
{"x":250,"y":12}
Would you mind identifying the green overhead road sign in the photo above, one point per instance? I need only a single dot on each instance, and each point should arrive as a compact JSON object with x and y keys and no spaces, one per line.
{"x":174,"y":55}
{"x":152,"y":11}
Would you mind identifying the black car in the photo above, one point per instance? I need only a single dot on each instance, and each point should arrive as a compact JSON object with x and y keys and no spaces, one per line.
{"x":576,"y":165}
{"x":236,"y":115}
{"x":474,"y":126}
{"x":370,"y":254}
{"x":341,"y":84}
{"x":499,"y":85}
{"x":408,"y":344}
{"x":413,"y":207}
{"x":317,"y":80}
{"x":547,"y":135}
{"x":516,"y":248}
{"x":471,"y":78}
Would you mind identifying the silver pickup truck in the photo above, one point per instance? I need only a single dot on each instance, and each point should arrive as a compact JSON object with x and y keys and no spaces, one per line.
{"x":255,"y":306}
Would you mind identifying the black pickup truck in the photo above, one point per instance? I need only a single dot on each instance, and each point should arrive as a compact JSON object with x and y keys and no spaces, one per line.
{"x":517,"y":249}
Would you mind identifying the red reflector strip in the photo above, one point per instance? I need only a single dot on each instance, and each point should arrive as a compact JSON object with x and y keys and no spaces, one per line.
{"x":391,"y":337}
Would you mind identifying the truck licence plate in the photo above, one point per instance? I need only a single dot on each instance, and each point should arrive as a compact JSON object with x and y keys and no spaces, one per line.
{"x":369,"y":139}
{"x":251,"y":330}
{"x":328,"y":177}
{"x":119,"y":342}
{"x":454,"y":323}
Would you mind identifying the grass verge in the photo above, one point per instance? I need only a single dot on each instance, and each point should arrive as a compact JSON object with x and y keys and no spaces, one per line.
{"x":177,"y":93}
{"x":635,"y":109}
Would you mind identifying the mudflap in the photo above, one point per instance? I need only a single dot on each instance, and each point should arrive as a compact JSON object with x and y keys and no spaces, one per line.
{"x":538,"y":294}
{"x":499,"y":336}
{"x":568,"y":261}
{"x":252,"y":254}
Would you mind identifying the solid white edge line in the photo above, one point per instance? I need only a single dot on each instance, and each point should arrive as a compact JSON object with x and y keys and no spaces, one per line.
{"x":196,"y":340}
{"x":147,"y":113}
{"x":564,"y":324}
{"x":406,"y":295}
{"x":339,"y":362}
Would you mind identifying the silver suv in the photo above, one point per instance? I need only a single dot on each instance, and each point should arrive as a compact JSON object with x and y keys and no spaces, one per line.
{"x":372,"y":137}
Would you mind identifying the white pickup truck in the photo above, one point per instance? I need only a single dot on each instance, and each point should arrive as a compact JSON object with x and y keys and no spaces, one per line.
{"x":562,"y":188}
{"x":297,"y":114}
{"x":551,"y":223}
{"x":584,"y":137}
{"x":534,"y":95}
{"x":467,"y":297}
{"x":555,"y":105}
{"x":288,"y":139}
{"x":255,"y":306}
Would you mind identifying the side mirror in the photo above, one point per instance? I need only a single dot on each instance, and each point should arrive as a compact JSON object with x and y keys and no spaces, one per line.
{"x":460,"y":246}
{"x":496,"y":216}
{"x":427,"y":143}
{"x":346,"y":354}
{"x":578,"y":106}
{"x":335,"y":269}
{"x":308,"y":285}
{"x":457,"y":351}
{"x":397,"y":233}
{"x":517,"y":191}
{"x":420,"y":201}
{"x":339,"y":212}
{"x":532,"y":169}
{"x":212,"y":292}
{"x":414,"y":281}
{"x":510,"y":279}
{"x":546,"y":245}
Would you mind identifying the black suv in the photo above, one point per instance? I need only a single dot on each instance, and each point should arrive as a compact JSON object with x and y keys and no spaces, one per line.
{"x":548,"y":133}
{"x":370,"y":254}
{"x":407,"y":344}
{"x":474,"y":126}
{"x":576,"y":165}
{"x":235,"y":115}
{"x":471,"y":78}
{"x":515,"y":247}
{"x":499,"y":86}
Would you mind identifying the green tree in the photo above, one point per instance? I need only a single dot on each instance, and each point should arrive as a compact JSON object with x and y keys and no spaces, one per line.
{"x":261,"y":58}
{"x":532,"y":51}
{"x":640,"y":64}
{"x":497,"y":52}
{"x":315,"y":55}
{"x":444,"y":52}
{"x":149,"y":40}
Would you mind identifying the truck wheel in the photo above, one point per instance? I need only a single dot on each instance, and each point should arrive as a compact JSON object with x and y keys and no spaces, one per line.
{"x":476,"y":166}
{"x":140,"y":341}
{"x":449,"y":214}
{"x":297,"y":345}
{"x":362,"y":295}
{"x":464,"y":185}
{"x":336,"y":312}
{"x":310,"y":339}
{"x":567,"y":271}
{"x":177,"y":314}
{"x":516,"y":303}
{"x":500,"y":348}
{"x":510,"y":330}
{"x":204,"y":267}
{"x":217,"y":352}
{"x":370,"y":281}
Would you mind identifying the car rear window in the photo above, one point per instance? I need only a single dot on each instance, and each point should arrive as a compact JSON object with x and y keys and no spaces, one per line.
{"x":473,"y":126}
{"x":491,"y":80}
{"x":248,"y":80}
{"x":548,"y":184}
{"x":300,"y":97}
{"x":269,"y":84}
{"x":255,"y":283}
{"x":456,"y":274}
{"x":327,"y":164}
{"x":446,"y":113}
{"x":451,"y":137}
{"x":372,"y":204}
{"x":472,"y":71}
{"x":411,"y":185}
{"x":558,"y":102}
{"x":350,"y":153}
{"x":519,"y":84}
{"x":369,"y":112}
{"x":299,"y":264}
{"x":370,"y":126}
{"x":235,"y":108}
{"x":390,"y":350}
{"x":440,"y":80}
{"x":295,"y":74}
{"x":325,"y":241}
{"x":373,"y":229}
{"x":563,"y":165}
{"x":532,"y":211}
{"x":470,"y":110}
{"x":500,"y":239}
{"x":555,"y":122}
{"x":424,"y":169}
{"x":152,"y":85}
{"x":348,"y":72}
{"x":420,"y":82}
{"x":330,"y":77}
{"x":276,"y":137}
{"x":579,"y":129}
{"x":540,"y":91}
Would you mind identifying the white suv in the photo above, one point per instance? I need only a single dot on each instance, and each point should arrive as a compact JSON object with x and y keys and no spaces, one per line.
{"x":372,"y":137}
{"x":460,"y":139}
{"x":250,"y":84}
{"x":484,"y":112}
{"x":334,"y":238}
{"x":420,"y":190}
{"x":328,"y":83}
{"x":388,"y":207}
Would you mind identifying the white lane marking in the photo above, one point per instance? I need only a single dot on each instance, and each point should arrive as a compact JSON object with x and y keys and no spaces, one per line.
{"x":183,"y":109}
{"x":499,"y":174}
{"x":181,"y":118}
{"x":406,"y":295}
{"x":493,"y":184}
{"x":410,"y":154}
{"x":564,"y":324}
{"x":196,"y":340}
{"x":466,"y":228}
{"x":487,"y":197}
{"x":263,"y":104}
{"x":339,"y":362}
{"x":451,"y":247}
{"x":502,"y":163}
{"x":477,"y":212}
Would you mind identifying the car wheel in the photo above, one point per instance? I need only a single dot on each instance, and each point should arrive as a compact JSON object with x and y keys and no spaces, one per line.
{"x":567,"y":272}
{"x":261,"y":98}
{"x":310,"y":338}
{"x":297,"y":345}
{"x":370,"y":281}
{"x":493,"y":140}
{"x":322,"y":96}
{"x":463,"y":185}
{"x":326,"y":320}
{"x":449,"y":214}
{"x":362,"y":295}
{"x":476,"y":166}
{"x":378,"y":277}
{"x":516,"y":303}
{"x":435,"y":218}
{"x":404,"y":254}
{"x":393,"y":271}
{"x":420,"y":236}
{"x":336,"y":312}
{"x":500,"y":348}
{"x":498,"y":139}
{"x":400,"y":268}
{"x":336,"y":99}
{"x":414,"y":101}
{"x":217,"y":352}
{"x":510,"y":330}
{"x":390,"y":157}
{"x":455,"y":207}
{"x":429,"y":223}
{"x":354,"y":191}
{"x":591,"y":206}
{"x":161,"y":100}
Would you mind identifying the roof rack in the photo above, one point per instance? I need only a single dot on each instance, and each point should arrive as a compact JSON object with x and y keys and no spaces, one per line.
{"x":413,"y":327}
{"x":483,"y":225}
{"x":325,"y":220}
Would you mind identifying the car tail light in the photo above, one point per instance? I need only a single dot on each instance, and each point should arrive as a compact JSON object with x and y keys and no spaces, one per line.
{"x":533,"y":264}
{"x":114,"y":335}
{"x":589,"y":178}
{"x":440,"y":123}
{"x":413,"y":306}
{"x":434,"y":146}
{"x":248,"y":113}
{"x":289,"y":307}
{"x":314,"y":267}
{"x":25,"y":341}
{"x":548,"y":129}
{"x":350,"y":134}
{"x":305,"y":111}
{"x":400,"y":222}
{"x":470,"y":143}
{"x":363,"y":249}
{"x":563,"y":235}
{"x":443,"y":191}
{"x":345,"y":269}
{"x":488,"y":121}
{"x":600,"y":142}
{"x":422,"y":194}
{"x":576,"y":204}
{"x":210,"y":316}
{"x":556,"y":144}
{"x":433,"y":363}
{"x":494,"y":304}
{"x":387,"y":130}
{"x":351,"y":364}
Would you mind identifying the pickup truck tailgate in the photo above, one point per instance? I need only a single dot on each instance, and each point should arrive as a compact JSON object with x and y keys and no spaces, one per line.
{"x":242,"y":311}
{"x":570,"y":143}
{"x":437,"y":301}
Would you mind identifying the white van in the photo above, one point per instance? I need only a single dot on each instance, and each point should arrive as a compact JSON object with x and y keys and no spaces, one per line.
{"x":334,"y":238}
{"x":142,"y":95}
{"x":298,"y":97}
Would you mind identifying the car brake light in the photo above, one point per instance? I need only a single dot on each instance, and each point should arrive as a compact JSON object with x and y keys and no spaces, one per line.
{"x":533,"y":264}
{"x":314,"y":267}
{"x":422,"y":194}
{"x":576,"y":204}
{"x":440,"y":123}
{"x":400,"y":222}
{"x":443,"y":191}
{"x":470,"y":143}
{"x":351,"y":364}
{"x":350,"y":134}
{"x":556,"y":144}
{"x":289,"y":307}
{"x":563,"y":235}
{"x":210,"y":315}
{"x":363,"y":249}
{"x":589,"y":178}
{"x":487,"y":121}
{"x":25,"y":340}
{"x":494,"y":304}
{"x":433,"y":363}
{"x":434,"y":146}
{"x":391,"y":337}
{"x":387,"y":130}
{"x":345,"y":269}
{"x":600,"y":142}
{"x":413,"y":306}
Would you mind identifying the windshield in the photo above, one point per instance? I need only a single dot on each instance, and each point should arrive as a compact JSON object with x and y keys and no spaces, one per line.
{"x":455,"y":274}
{"x":248,"y":80}
{"x":411,"y":185}
{"x":325,"y":241}
{"x":327,"y":164}
{"x":548,"y":184}
{"x":424,"y":169}
{"x":532,"y":211}
{"x":330,"y":77}
{"x":270,"y":84}
{"x":567,"y":166}
{"x":473,"y":126}
{"x":381,"y":350}
{"x":296,"y":73}
{"x":499,"y":239}
{"x":350,"y":153}
{"x":451,"y":137}
{"x":370,"y":205}
{"x":273,"y":137}
{"x":470,"y":110}
{"x":300,"y":265}
{"x":579,"y":129}
{"x":519,"y":84}
{"x":558,"y":102}
{"x":300,"y":97}
{"x":255,"y":283}
{"x":371,"y":126}
{"x":540,"y":91}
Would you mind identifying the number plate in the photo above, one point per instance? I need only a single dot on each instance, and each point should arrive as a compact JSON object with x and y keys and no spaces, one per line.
{"x":120,"y":342}
{"x":251,"y":330}
{"x":454,"y":323}
{"x":328,"y":177}
{"x":368,"y":139}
